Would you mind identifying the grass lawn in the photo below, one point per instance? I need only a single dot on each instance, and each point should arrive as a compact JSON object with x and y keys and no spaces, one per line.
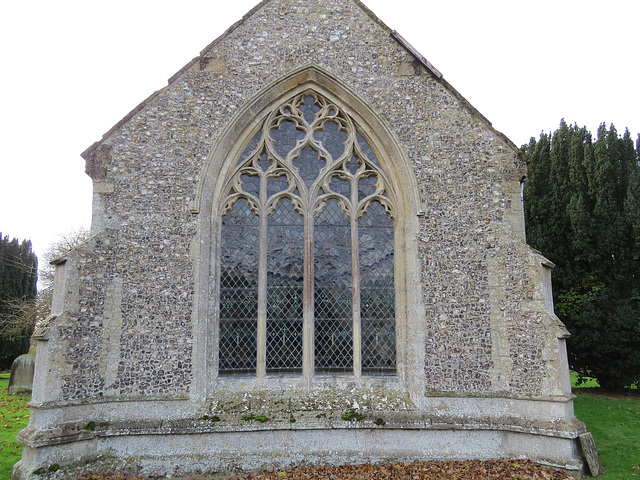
{"x":615,"y":426}
{"x":14,"y":416}
{"x":614,"y":422}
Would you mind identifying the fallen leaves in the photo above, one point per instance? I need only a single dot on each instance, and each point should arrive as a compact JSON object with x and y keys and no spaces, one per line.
{"x":423,"y":470}
{"x":418,"y":470}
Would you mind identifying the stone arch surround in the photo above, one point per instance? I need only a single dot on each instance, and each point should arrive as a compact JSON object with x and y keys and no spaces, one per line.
{"x":239,"y":131}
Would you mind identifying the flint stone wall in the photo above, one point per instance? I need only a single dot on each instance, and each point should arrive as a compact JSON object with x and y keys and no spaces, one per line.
{"x":130,"y":344}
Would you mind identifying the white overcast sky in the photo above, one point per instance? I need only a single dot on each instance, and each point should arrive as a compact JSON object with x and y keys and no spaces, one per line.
{"x":70,"y":69}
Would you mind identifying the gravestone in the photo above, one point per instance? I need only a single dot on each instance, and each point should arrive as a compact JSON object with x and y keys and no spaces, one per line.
{"x":590,"y":452}
{"x":21,"y":378}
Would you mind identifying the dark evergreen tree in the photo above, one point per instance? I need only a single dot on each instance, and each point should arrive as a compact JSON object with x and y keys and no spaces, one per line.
{"x":18,"y":277}
{"x":582,"y":207}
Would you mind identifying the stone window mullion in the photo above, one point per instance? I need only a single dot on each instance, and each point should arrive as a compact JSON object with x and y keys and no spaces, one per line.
{"x":308,"y":339}
{"x":261,"y":361}
{"x":355,"y":289}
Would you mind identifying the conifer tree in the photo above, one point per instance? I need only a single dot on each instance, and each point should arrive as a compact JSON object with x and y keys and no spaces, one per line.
{"x":582,"y":207}
{"x":18,"y":277}
{"x":22,"y":312}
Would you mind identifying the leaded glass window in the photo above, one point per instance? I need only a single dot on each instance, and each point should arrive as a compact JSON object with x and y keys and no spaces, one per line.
{"x":307,"y":249}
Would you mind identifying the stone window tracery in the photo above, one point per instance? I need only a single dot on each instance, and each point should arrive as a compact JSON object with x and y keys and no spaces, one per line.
{"x":307,"y":249}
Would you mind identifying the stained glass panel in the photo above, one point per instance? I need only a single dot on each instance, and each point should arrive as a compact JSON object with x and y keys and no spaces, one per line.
{"x":285,"y":270}
{"x":250,"y":148}
{"x":341,"y":186}
{"x":377,"y":292}
{"x":264,"y":163}
{"x":251,"y":184}
{"x":332,"y":139}
{"x":276,"y":185}
{"x":309,"y":108}
{"x":353,"y":165}
{"x":366,"y":187}
{"x":239,"y":290}
{"x":309,"y":164}
{"x":333,"y":295}
{"x":366,"y":149}
{"x":286,"y":137}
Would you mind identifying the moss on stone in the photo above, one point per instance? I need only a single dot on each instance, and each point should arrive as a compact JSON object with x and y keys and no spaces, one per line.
{"x":212,"y":418}
{"x":257,"y":418}
{"x":352,"y":416}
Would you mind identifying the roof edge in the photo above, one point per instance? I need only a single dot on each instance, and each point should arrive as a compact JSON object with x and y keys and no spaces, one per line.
{"x":476,"y":112}
{"x":407,"y":46}
{"x":373,"y":16}
{"x":85,"y":154}
{"x":226,"y":33}
{"x":436,"y":73}
{"x":393,"y":33}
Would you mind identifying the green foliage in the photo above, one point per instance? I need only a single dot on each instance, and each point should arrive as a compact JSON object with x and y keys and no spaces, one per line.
{"x":61,"y":246}
{"x":18,"y":277}
{"x":582,"y":208}
{"x":14,"y":416}
{"x":583,"y":381}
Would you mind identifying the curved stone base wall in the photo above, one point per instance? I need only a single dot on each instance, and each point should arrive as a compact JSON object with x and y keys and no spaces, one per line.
{"x":191,"y":447}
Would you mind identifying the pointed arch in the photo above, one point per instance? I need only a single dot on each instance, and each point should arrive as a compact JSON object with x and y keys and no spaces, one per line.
{"x":220,"y":188}
{"x":231,"y":143}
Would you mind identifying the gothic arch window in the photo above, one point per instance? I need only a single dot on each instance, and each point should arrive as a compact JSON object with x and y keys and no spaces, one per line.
{"x":307,"y":249}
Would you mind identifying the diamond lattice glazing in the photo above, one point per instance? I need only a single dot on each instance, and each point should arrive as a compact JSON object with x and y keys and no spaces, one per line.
{"x":285,"y":251}
{"x":377,"y":292}
{"x":238,"y":290}
{"x":333,"y":291}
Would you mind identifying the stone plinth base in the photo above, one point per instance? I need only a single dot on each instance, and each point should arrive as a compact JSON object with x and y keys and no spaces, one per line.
{"x":223,"y":452}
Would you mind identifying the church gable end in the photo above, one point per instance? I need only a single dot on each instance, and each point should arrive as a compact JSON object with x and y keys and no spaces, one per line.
{"x":307,"y":226}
